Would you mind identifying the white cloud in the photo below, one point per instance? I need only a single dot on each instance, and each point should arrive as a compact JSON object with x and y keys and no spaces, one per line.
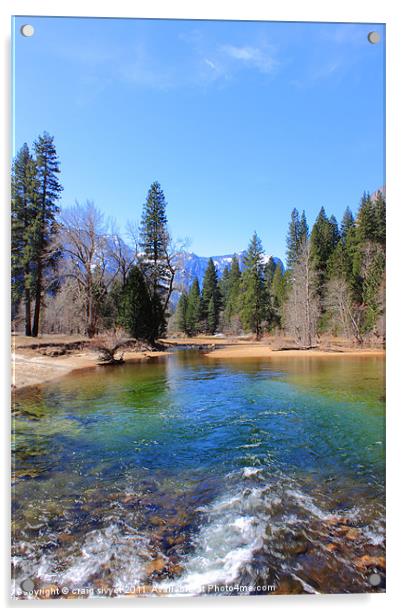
{"x":210,"y":64}
{"x":260,"y":58}
{"x":326,"y":70}
{"x":203,"y":62}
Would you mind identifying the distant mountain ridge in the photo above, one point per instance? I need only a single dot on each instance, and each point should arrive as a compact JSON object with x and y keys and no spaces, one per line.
{"x":190,"y":266}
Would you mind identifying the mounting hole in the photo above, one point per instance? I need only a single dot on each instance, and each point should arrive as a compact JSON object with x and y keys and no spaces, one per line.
{"x":27,"y":585}
{"x":27,"y":30}
{"x":375,"y":579}
{"x":373,"y":37}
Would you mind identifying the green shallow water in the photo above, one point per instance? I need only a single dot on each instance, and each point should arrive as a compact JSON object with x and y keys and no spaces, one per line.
{"x":194,"y":472}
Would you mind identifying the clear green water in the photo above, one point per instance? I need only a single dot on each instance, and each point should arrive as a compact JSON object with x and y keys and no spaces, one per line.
{"x":190,"y":471}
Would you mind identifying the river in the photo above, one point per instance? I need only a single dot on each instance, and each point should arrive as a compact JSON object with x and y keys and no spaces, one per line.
{"x":189,"y":475}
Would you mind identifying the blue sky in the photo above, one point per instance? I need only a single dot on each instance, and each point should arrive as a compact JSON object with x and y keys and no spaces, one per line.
{"x":239,"y":121}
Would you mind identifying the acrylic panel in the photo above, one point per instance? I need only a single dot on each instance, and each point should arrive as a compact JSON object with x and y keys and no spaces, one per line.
{"x":198,"y":308}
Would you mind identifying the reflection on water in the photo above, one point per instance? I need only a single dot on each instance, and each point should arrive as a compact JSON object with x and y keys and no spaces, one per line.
{"x":197,"y":472}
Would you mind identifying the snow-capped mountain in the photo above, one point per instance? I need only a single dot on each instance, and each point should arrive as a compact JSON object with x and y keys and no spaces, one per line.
{"x":190,"y":266}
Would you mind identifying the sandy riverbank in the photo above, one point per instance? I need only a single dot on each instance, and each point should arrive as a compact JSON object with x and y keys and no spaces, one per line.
{"x":259,"y":351}
{"x":31,"y":367}
{"x":243,"y":348}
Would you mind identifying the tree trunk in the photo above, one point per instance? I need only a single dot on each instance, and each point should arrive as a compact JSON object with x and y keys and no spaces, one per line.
{"x":28,"y":315}
{"x":38,"y":302}
{"x":91,"y":318}
{"x":38,"y":290}
{"x":28,"y":328}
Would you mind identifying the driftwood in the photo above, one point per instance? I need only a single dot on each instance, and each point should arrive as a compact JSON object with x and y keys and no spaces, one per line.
{"x":109,"y":345}
{"x":107,"y":356}
{"x":112,"y":346}
{"x":296,"y":348}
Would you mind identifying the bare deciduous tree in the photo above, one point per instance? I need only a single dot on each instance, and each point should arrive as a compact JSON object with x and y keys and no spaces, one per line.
{"x":302,"y":308}
{"x":133,"y":235}
{"x":171,"y":250}
{"x":65,"y":310}
{"x":344,"y":313}
{"x":83,"y":239}
{"x":121,"y":255}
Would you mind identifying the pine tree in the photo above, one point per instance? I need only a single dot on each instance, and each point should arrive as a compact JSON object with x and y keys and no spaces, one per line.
{"x":181,"y":313}
{"x":380,"y":218}
{"x":211,"y":299}
{"x":224,"y":286}
{"x":303,"y":230}
{"x":194,"y":312}
{"x":233,"y":294}
{"x":269,"y":272}
{"x":297,"y":235}
{"x":292,"y":239}
{"x":44,"y":227}
{"x":334,"y":231}
{"x":366,"y":219}
{"x":338,"y":262}
{"x":135,"y":313}
{"x":23,"y":211}
{"x":324,"y":238}
{"x":211,"y":316}
{"x":341,"y":262}
{"x":347,"y":223}
{"x":155,"y":261}
{"x":253,"y":308}
{"x":369,"y":257}
{"x":369,"y":234}
{"x":356,"y":270}
{"x":371,"y":284}
{"x":278,"y":294}
{"x":352,"y":261}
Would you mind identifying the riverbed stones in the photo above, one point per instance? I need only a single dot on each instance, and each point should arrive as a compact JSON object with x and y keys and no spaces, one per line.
{"x":289,"y":586}
{"x":297,"y":548}
{"x":156,"y":566}
{"x":156,"y":520}
{"x":65,"y":538}
{"x":332,"y":547}
{"x":176,"y":540}
{"x":353,"y":534}
{"x":336,"y":521}
{"x":175,"y":569}
{"x":370,"y":562}
{"x":129,"y":498}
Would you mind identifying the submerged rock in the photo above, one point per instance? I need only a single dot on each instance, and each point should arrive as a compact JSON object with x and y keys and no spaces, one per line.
{"x":353,"y":534}
{"x":156,"y":566}
{"x":175,"y":569}
{"x":65,"y":538}
{"x":336,"y":521}
{"x":176,"y":540}
{"x":332,"y":547}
